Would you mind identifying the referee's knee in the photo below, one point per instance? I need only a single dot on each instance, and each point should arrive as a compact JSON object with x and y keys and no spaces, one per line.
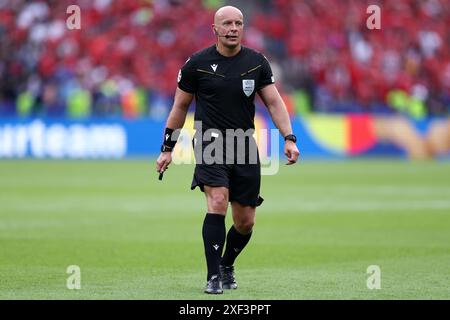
{"x":244,"y":226}
{"x":218,"y":203}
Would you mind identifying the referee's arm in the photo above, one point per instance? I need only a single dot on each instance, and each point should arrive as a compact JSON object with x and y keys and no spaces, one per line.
{"x":179,"y":110}
{"x":278,"y":112}
{"x":175,"y":121}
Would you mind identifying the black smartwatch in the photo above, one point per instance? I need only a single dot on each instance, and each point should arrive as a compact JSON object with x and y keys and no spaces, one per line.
{"x":291,"y":137}
{"x":165,"y":148}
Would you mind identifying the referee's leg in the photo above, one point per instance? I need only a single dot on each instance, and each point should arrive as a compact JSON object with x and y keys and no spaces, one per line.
{"x":240,"y":232}
{"x":243,"y":217}
{"x":237,"y":238}
{"x":213,"y":233}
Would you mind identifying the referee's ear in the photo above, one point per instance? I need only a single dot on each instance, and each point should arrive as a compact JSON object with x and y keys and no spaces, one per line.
{"x":216,"y":33}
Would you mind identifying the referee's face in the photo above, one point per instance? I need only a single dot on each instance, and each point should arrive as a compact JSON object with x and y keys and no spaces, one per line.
{"x":229,"y":26}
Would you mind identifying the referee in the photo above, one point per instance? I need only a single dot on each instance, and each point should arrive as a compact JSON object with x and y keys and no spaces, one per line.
{"x":224,"y":80}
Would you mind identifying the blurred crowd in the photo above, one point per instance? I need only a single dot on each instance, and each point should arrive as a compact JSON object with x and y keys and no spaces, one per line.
{"x":125,"y":58}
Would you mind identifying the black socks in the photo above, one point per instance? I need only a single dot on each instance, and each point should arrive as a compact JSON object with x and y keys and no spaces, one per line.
{"x":235,"y":243}
{"x":213,"y":239}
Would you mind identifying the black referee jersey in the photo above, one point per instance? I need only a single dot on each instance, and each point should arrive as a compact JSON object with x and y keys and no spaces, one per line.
{"x":225,"y":87}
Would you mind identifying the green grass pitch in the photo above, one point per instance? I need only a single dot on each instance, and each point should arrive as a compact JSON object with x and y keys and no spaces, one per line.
{"x":134,"y":237}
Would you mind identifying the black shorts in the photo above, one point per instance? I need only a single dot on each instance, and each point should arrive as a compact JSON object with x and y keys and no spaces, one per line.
{"x":242,"y":180}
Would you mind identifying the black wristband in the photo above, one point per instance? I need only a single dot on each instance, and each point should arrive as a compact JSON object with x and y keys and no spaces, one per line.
{"x":170,"y":139}
{"x":165,"y":148}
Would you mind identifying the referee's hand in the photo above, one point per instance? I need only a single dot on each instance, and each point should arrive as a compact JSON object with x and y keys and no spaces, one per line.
{"x":164,"y":159}
{"x":291,"y":152}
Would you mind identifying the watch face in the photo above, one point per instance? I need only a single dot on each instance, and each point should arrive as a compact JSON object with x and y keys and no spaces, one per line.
{"x":291,"y":137}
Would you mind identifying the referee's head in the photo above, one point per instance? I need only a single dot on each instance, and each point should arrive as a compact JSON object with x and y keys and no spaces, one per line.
{"x":228,"y":26}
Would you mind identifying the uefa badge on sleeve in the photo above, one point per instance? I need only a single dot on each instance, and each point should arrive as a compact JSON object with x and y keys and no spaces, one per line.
{"x":248,"y":86}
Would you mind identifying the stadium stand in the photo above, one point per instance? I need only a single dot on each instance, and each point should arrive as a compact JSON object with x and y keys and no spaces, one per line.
{"x":125,"y":58}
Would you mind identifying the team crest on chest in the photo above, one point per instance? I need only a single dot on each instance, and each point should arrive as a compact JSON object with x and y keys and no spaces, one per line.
{"x":248,"y":86}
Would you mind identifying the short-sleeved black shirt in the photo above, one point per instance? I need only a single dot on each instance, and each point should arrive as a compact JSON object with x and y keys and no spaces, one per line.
{"x":225,"y":87}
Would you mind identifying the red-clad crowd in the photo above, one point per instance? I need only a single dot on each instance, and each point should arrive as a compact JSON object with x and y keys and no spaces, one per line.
{"x":331,"y":51}
{"x":125,"y":58}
